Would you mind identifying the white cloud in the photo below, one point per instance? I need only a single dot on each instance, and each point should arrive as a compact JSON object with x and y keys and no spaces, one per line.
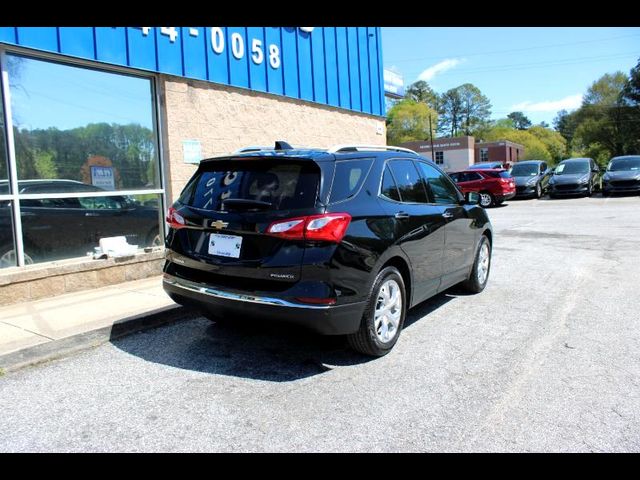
{"x":439,"y":67}
{"x":568,"y":103}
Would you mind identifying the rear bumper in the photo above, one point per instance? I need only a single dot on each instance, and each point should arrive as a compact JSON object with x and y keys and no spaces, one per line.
{"x":501,"y":197}
{"x":323,"y":319}
{"x":526,"y":191}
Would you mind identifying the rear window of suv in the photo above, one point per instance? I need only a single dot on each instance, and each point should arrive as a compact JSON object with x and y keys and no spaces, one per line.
{"x":261,"y":184}
{"x":348,"y":178}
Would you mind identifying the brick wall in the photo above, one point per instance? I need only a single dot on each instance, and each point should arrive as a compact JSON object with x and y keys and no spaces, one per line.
{"x":224,"y":119}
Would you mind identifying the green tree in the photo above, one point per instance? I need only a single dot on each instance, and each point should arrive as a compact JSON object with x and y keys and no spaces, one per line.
{"x":408,"y":121}
{"x":520,"y":120}
{"x":631,"y":90}
{"x":475,"y":107}
{"x":420,"y":91}
{"x":450,"y":112}
{"x":606,"y":124}
{"x":555,"y":143}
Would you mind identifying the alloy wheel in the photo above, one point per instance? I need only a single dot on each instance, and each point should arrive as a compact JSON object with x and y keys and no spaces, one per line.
{"x":482,"y":270}
{"x":388,"y":311}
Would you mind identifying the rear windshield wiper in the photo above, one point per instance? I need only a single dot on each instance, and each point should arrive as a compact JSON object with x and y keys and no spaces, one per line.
{"x":245,"y":203}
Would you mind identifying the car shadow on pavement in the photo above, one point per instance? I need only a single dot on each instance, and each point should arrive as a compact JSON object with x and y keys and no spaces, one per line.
{"x":252,"y":349}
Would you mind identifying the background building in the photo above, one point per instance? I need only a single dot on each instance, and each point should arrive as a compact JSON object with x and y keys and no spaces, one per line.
{"x":458,"y":153}
{"x":102,"y":126}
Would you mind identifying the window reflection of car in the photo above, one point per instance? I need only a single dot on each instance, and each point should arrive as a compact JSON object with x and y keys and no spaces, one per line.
{"x":56,"y":228}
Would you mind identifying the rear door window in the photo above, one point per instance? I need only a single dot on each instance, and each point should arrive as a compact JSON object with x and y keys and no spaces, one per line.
{"x":442,"y":189}
{"x":408,"y":181}
{"x":261,"y":184}
{"x":348,"y":178}
{"x":389,"y":187}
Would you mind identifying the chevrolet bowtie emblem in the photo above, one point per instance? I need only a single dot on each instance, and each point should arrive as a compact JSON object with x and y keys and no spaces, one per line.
{"x":219,"y":224}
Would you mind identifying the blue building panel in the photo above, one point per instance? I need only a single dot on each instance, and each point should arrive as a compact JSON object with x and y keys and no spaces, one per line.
{"x":111,"y":45}
{"x":305,"y":67}
{"x":342,"y":52}
{"x":365,"y":70}
{"x":258,"y":57}
{"x":338,"y":66}
{"x":331,"y":66}
{"x":141,"y":45}
{"x":380,"y":73}
{"x":217,"y":61}
{"x":169,"y":50}
{"x":77,"y":42}
{"x":354,"y":69}
{"x":237,"y":53}
{"x":273,"y":57}
{"x":8,"y":34}
{"x":289,"y":57}
{"x":41,"y":38}
{"x":376,"y":94}
{"x":319,"y":71}
{"x":194,"y":52}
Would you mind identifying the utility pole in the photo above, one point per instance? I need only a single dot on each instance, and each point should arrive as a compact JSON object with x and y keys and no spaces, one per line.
{"x":431,"y":136}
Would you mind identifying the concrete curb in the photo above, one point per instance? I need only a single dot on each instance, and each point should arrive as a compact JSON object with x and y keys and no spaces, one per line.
{"x":63,"y":347}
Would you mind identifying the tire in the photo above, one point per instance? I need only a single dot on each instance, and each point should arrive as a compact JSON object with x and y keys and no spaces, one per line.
{"x":486,"y":200}
{"x":377,"y":341}
{"x":590,"y":190}
{"x":538,"y":190}
{"x":476,"y":283}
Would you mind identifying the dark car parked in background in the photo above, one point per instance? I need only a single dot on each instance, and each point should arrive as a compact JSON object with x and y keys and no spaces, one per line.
{"x":574,"y":176}
{"x":494,"y":186}
{"x":532,"y":178}
{"x":56,"y":228}
{"x":486,"y":165}
{"x":622,"y":175}
{"x":341,"y":241}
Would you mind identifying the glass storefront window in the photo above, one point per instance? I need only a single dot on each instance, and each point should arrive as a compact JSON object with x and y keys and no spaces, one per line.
{"x":77,"y":127}
{"x":7,"y":247}
{"x":59,"y":228}
{"x":4,"y":172}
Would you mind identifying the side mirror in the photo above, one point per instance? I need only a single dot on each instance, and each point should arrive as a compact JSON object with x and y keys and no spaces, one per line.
{"x":595,"y":170}
{"x":472,"y":198}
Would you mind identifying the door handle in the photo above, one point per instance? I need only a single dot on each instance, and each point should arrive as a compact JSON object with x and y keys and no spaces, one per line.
{"x":91,"y":214}
{"x":401,"y":215}
{"x":447,"y":215}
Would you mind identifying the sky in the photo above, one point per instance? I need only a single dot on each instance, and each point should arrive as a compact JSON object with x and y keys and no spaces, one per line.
{"x":536,"y":70}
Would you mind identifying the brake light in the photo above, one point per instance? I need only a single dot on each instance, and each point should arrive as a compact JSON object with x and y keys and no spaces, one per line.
{"x":174,"y":219}
{"x":330,"y":227}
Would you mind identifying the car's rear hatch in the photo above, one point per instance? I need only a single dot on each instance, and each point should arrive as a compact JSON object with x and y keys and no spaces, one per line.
{"x":227,"y":208}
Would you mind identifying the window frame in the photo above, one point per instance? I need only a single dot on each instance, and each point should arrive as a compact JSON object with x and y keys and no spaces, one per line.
{"x":365,"y":178}
{"x":447,"y":179}
{"x":15,"y":197}
{"x":402,"y":202}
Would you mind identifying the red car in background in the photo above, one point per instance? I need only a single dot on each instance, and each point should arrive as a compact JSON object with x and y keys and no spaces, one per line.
{"x":494,"y":185}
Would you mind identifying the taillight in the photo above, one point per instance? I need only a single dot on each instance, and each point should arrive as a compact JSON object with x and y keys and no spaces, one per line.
{"x":330,"y":227}
{"x":174,"y":219}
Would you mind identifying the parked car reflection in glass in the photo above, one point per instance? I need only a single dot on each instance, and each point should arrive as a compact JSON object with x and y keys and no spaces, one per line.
{"x":57,"y":228}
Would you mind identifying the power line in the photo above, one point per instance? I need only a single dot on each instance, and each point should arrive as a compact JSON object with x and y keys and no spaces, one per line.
{"x":512,"y":50}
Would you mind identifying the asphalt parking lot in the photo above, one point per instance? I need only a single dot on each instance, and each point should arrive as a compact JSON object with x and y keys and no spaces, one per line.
{"x":546,"y":359}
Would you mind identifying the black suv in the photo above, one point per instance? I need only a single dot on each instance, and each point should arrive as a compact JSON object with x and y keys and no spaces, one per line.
{"x":342,"y":241}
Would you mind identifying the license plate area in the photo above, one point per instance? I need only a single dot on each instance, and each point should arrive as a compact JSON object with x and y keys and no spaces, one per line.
{"x":225,"y":245}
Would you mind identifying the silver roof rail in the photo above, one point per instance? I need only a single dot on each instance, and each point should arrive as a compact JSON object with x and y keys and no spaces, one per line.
{"x":346,"y":146}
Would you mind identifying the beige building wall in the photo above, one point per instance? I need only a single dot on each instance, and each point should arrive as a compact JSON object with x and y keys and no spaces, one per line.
{"x":224,"y":119}
{"x":457,"y":160}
